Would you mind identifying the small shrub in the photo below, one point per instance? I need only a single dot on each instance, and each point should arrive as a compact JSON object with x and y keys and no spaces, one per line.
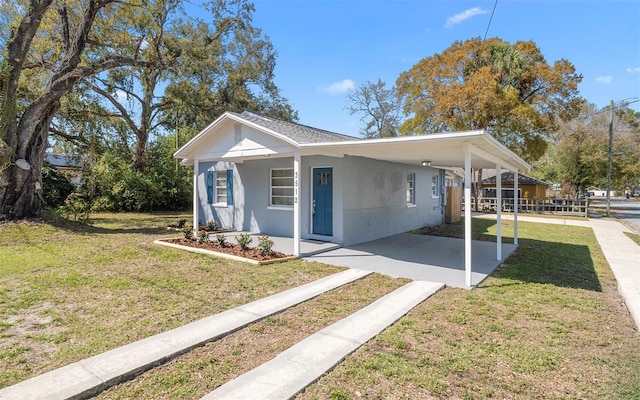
{"x":188,"y":231}
{"x":181,"y":223}
{"x":243,"y":240}
{"x":203,"y":236}
{"x":221,"y":238}
{"x":265,"y":244}
{"x":75,"y":207}
{"x":55,"y":186}
{"x":212,"y":225}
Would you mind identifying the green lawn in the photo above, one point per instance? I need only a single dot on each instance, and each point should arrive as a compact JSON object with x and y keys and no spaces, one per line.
{"x":634,"y":237}
{"x":69,"y":292}
{"x":548,"y":324}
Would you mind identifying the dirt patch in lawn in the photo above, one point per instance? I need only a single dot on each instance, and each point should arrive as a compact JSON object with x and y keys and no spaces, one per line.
{"x":230,"y":248}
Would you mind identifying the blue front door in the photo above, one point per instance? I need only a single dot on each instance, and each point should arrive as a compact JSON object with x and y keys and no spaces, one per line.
{"x":323,"y":201}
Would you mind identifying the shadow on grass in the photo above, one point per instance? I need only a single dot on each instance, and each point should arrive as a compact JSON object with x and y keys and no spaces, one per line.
{"x":559,"y":264}
{"x":536,"y":261}
{"x":80,"y":228}
{"x":123,"y":223}
{"x":479,"y":230}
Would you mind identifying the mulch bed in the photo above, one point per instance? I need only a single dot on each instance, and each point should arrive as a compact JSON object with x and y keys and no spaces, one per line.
{"x":253,"y":253}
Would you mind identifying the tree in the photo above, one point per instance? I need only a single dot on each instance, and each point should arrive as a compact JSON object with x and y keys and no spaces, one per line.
{"x":379,"y":107}
{"x":98,"y":79}
{"x":583,"y":144}
{"x":217,"y":73}
{"x":509,"y":90}
{"x":48,"y":46}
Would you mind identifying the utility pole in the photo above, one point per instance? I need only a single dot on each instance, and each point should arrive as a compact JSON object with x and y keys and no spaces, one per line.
{"x":177,"y":136}
{"x":609,"y":155}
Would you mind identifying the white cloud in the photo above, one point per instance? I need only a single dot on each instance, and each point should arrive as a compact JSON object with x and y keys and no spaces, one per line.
{"x":458,"y":18}
{"x":604,"y":80}
{"x":635,"y":70}
{"x":121,"y":95}
{"x":342,"y":86}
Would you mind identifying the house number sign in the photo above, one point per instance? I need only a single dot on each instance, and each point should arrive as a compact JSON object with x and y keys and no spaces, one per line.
{"x":295,"y":186}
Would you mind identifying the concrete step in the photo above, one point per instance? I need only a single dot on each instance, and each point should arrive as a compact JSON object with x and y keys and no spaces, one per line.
{"x":302,"y":364}
{"x":90,"y":376}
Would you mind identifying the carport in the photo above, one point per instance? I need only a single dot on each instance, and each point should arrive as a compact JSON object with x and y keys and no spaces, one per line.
{"x":467,"y":150}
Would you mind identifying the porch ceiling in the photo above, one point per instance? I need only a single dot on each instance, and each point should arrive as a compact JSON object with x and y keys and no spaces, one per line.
{"x":443,"y":150}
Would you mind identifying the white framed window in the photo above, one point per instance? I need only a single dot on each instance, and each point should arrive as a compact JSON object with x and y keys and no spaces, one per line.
{"x":411,"y":189}
{"x":220,"y":188}
{"x":435,"y":187}
{"x":281,"y":187}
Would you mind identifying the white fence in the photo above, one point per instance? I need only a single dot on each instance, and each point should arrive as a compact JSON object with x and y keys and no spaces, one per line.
{"x":547,"y":206}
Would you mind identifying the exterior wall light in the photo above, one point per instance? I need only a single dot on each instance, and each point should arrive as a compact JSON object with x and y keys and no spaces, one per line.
{"x":426,"y":163}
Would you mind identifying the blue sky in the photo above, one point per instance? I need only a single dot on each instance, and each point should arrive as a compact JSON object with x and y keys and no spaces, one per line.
{"x":327,"y":46}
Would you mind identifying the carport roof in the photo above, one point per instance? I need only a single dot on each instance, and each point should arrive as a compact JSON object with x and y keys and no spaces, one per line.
{"x":440,"y":149}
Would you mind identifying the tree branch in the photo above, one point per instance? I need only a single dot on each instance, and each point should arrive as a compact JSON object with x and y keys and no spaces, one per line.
{"x":123,"y":112}
{"x":66,"y":136}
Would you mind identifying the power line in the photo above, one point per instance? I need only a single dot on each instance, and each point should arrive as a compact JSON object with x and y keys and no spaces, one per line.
{"x":621,"y":104}
{"x":490,"y":19}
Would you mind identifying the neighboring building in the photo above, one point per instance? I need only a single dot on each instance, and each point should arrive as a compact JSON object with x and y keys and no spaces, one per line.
{"x":259,"y":174}
{"x":70,"y":166}
{"x":593,"y":191}
{"x":528,"y":187}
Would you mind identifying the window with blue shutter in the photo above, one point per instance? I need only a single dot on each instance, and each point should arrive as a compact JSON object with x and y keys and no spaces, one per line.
{"x":230,"y":187}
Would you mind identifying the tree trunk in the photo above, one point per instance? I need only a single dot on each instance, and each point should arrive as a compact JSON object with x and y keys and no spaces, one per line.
{"x":476,"y":184}
{"x":139,"y":157}
{"x":21,"y":181}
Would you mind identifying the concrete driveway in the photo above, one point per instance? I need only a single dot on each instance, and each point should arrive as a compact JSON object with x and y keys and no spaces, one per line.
{"x":419,"y":257}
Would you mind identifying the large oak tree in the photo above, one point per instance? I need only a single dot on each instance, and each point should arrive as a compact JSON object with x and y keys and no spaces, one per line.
{"x":508,"y":89}
{"x":109,"y":73}
{"x":46,"y":48}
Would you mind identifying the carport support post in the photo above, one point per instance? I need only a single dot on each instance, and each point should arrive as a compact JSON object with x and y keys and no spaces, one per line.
{"x":499,"y":212}
{"x":196,"y":206}
{"x":516,"y":203}
{"x":467,"y":217}
{"x":296,"y":204}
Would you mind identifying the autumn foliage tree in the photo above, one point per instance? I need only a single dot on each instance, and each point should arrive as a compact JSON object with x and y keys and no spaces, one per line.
{"x":508,"y":89}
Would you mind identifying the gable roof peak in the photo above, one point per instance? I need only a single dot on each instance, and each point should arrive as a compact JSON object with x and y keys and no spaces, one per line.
{"x":301,"y":134}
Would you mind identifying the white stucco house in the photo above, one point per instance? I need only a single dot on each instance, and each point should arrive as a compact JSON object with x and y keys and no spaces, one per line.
{"x":259,"y":174}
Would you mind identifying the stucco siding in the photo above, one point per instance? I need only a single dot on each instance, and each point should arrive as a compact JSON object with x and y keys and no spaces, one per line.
{"x":251,"y":211}
{"x":375,"y":203}
{"x":369,"y":198}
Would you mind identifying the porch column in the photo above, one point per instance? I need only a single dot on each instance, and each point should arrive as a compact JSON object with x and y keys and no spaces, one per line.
{"x":196,"y":202}
{"x":499,"y":212}
{"x":296,"y":204}
{"x":467,"y":217}
{"x":516,"y":201}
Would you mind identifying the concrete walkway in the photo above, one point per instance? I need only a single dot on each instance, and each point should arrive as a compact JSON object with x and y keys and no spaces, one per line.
{"x":93,"y":375}
{"x":622,"y":253}
{"x":302,"y":364}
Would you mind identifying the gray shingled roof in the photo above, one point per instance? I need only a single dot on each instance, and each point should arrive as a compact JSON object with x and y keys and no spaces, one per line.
{"x":301,"y":134}
{"x":507,"y":177}
{"x":62,"y":160}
